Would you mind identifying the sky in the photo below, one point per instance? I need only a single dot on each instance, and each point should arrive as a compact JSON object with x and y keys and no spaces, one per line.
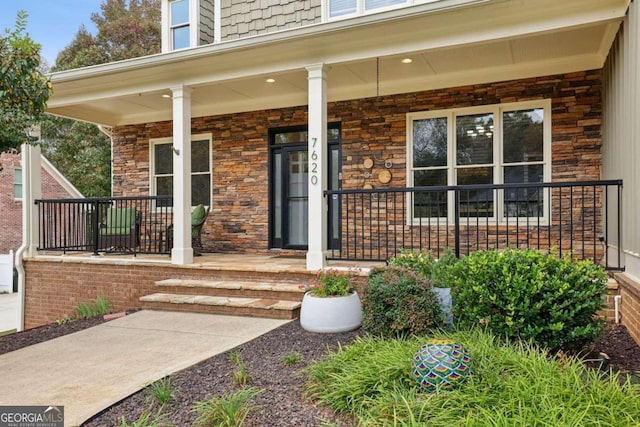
{"x":52,"y":23}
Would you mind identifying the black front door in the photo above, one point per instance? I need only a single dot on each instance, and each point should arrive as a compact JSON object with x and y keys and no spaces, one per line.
{"x":288,"y":186}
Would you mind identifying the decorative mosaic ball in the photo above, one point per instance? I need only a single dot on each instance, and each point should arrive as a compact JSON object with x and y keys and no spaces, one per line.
{"x":441,"y":364}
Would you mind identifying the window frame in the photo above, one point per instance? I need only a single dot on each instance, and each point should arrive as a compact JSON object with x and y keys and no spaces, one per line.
{"x":169,"y":140}
{"x":362,"y":11}
{"x":498,"y":164}
{"x":17,"y":171}
{"x":173,"y":28}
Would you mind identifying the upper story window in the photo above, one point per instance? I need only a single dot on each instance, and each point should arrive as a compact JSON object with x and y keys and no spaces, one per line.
{"x":494,"y":144}
{"x":179,"y":24}
{"x":162,"y":169}
{"x":17,"y":183}
{"x":345,"y":8}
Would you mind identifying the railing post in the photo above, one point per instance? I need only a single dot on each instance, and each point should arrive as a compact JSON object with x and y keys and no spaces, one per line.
{"x":456,"y":219}
{"x":95,"y":225}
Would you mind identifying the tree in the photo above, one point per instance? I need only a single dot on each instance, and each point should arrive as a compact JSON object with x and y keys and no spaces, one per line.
{"x":126,"y":29}
{"x":24,"y":89}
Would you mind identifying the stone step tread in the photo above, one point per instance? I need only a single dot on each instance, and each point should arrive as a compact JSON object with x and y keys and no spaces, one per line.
{"x":251,"y":285}
{"x":258,"y":303}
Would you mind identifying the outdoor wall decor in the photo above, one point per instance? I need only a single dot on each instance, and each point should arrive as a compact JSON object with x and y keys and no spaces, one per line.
{"x":441,"y":365}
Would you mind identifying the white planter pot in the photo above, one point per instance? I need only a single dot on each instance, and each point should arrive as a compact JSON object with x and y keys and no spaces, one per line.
{"x":330,"y":314}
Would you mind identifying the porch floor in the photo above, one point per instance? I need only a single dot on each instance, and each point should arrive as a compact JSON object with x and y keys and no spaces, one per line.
{"x":217,"y":261}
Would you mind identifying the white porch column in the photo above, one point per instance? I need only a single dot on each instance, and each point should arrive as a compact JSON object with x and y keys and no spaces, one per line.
{"x":317,"y":239}
{"x":182,"y":252}
{"x":31,"y":191}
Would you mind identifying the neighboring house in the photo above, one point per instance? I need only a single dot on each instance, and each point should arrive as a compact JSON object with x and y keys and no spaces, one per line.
{"x":54,"y":186}
{"x":256,"y":108}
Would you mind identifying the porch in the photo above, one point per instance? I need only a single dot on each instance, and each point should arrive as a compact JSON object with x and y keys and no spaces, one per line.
{"x":255,"y":285}
{"x":578,"y":219}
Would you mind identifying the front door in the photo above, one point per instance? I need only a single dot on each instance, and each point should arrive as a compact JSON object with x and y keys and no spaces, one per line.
{"x":288,"y":184}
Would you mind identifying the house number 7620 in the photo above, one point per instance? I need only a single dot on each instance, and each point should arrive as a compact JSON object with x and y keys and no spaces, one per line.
{"x":314,"y":162}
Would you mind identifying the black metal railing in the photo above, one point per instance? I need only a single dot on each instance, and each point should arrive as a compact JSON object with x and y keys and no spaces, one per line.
{"x":577,"y":218}
{"x":105,"y":224}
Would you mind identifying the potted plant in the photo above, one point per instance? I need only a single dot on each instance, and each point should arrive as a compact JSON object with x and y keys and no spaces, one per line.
{"x":331,"y":303}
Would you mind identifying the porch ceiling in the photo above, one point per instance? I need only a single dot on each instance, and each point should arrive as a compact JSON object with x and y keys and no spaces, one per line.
{"x":490,"y":40}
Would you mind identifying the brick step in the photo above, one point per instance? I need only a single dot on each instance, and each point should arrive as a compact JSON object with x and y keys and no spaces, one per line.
{"x":237,"y":288}
{"x":253,"y":307}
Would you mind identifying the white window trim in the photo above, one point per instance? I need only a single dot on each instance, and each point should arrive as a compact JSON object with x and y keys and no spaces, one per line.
{"x":360,"y":8}
{"x":498,"y":165}
{"x":169,"y":140}
{"x":13,"y":188}
{"x":166,"y":30}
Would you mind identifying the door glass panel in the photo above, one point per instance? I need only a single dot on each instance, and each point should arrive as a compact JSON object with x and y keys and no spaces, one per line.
{"x":297,"y":198}
{"x":474,"y":139}
{"x":300,"y":137}
{"x":335,"y":198}
{"x":277,"y":195}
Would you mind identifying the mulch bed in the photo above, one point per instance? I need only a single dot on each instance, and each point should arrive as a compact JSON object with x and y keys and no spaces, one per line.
{"x":282,"y":403}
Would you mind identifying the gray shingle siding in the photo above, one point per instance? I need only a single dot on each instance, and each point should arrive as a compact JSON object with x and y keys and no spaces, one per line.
{"x":206,"y":22}
{"x":241,"y":18}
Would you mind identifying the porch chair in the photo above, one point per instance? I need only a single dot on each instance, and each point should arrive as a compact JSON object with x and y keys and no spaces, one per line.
{"x":121,"y":229}
{"x":198,"y":217}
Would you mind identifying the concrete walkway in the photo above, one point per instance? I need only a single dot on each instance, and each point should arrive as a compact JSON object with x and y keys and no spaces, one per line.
{"x":90,"y":370}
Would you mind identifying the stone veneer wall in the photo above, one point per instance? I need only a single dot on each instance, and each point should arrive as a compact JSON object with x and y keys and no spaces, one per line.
{"x":242,"y":18}
{"x":371,"y":128}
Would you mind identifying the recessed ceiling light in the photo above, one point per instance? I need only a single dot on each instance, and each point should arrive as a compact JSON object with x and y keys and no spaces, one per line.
{"x":166,"y":96}
{"x":407,"y":61}
{"x":270,"y":80}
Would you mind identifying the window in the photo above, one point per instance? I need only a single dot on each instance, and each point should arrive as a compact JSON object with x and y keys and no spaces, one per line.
{"x":179,"y":24}
{"x":162,"y":169}
{"x":346,"y":8}
{"x":17,"y":183}
{"x":505,"y":143}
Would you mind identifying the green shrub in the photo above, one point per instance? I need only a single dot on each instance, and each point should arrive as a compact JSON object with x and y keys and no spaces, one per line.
{"x":86,"y":310}
{"x":513,"y":385}
{"x":333,"y":283}
{"x":439,"y":271}
{"x":529,"y":295}
{"x":398,"y":302}
{"x":419,"y":262}
{"x":229,"y":410}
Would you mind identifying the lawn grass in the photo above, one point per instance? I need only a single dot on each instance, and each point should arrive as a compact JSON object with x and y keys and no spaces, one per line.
{"x":513,"y":385}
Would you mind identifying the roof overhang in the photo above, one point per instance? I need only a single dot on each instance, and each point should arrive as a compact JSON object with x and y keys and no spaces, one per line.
{"x":451,"y":43}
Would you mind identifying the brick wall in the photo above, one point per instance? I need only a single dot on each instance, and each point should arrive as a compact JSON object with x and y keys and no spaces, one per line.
{"x":629,"y":291}
{"x":49,"y":297}
{"x":10,"y":208}
{"x":251,"y":17}
{"x":371,"y":128}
